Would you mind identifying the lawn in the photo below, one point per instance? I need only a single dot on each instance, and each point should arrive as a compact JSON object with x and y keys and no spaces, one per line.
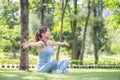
{"x":74,"y":74}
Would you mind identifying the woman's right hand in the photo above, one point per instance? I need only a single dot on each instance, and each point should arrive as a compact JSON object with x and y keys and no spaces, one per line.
{"x":25,"y":45}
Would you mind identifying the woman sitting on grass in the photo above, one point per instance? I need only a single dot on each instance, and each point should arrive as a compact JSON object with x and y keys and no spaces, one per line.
{"x":43,"y":43}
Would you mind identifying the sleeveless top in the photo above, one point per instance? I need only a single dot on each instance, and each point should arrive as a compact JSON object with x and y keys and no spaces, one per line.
{"x":46,"y":54}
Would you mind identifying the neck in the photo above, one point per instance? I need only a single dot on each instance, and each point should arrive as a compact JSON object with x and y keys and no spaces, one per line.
{"x":45,"y":40}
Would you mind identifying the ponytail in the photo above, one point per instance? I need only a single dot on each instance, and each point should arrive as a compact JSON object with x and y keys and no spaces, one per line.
{"x":38,"y":34}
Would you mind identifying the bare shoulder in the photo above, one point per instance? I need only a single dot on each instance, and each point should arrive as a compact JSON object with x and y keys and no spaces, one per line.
{"x":42,"y":46}
{"x":40,"y":43}
{"x":50,"y":42}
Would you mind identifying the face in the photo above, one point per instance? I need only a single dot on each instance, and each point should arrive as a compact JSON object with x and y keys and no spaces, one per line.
{"x":47,"y":33}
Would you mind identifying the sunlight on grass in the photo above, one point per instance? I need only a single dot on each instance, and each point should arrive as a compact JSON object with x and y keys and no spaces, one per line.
{"x":74,"y":74}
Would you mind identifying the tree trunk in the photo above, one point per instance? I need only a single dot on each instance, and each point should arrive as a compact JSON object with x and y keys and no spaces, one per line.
{"x":74,"y":37}
{"x":14,"y":51}
{"x":95,"y":32}
{"x":42,"y":9}
{"x":24,"y":34}
{"x":61,"y":28}
{"x":74,"y":48}
{"x":84,"y":36}
{"x":96,"y":54}
{"x":95,"y":42}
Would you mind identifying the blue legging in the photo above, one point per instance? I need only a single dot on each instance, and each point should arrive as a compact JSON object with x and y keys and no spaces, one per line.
{"x":52,"y":65}
{"x":62,"y":65}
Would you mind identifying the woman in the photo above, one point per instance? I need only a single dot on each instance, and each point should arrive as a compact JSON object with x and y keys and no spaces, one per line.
{"x":43,"y":43}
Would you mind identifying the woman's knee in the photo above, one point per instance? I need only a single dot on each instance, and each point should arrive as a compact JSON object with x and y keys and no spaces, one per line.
{"x":54,"y":62}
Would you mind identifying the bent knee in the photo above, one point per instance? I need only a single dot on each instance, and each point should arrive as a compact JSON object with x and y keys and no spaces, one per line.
{"x":54,"y":62}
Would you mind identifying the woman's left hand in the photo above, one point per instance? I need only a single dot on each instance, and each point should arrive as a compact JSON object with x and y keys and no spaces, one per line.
{"x":66,"y":43}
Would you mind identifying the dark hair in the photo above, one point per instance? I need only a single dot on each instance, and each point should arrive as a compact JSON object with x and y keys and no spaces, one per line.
{"x":38,"y":34}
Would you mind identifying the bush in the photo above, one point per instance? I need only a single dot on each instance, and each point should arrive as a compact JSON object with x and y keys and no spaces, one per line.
{"x":6,"y":58}
{"x":77,"y":62}
{"x":5,"y":45}
{"x":115,"y":48}
{"x":9,"y":61}
{"x":33,"y":50}
{"x":16,"y":61}
{"x":100,"y":62}
{"x":32,"y":61}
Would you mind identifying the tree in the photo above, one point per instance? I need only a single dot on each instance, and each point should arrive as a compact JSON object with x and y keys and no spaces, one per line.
{"x":73,"y":28}
{"x":42,"y":9}
{"x":9,"y":13}
{"x":10,"y":18}
{"x":95,"y":32}
{"x":99,"y":39}
{"x":61,"y":28}
{"x":12,"y":36}
{"x":113,"y":20}
{"x":24,"y":65}
{"x":112,"y":24}
{"x":84,"y":34}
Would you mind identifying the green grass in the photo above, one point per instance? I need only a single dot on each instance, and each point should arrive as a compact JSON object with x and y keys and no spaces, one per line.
{"x":74,"y":74}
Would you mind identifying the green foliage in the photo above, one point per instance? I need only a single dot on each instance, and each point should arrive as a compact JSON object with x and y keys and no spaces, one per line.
{"x":77,"y":62}
{"x":6,"y":58}
{"x":33,"y":50}
{"x":112,"y":4}
{"x":10,"y":20}
{"x":115,"y":47}
{"x":9,"y":61}
{"x":5,"y":45}
{"x":112,"y":21}
{"x":9,"y":26}
{"x":10,"y":37}
{"x":16,"y":61}
{"x":34,"y":24}
{"x":34,"y":5}
{"x":96,"y":34}
{"x":103,"y":60}
{"x":9,"y":13}
{"x":49,"y":20}
{"x":112,"y":26}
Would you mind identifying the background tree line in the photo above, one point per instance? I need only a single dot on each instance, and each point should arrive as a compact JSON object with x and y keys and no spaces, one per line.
{"x":90,"y":26}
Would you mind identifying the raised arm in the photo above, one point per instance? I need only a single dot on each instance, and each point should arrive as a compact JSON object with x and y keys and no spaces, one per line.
{"x":28,"y":44}
{"x":59,"y":43}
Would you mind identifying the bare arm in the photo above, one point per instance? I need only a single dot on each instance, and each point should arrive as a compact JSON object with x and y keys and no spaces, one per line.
{"x":28,"y":44}
{"x":59,"y":43}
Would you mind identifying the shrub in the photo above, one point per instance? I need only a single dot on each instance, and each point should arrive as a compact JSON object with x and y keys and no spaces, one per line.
{"x":115,"y":48}
{"x":101,"y":62}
